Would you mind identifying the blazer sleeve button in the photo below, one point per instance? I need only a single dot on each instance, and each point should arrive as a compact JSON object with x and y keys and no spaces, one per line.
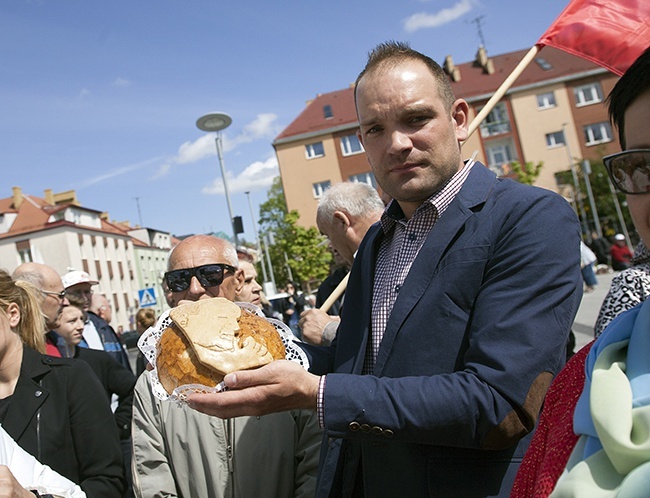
{"x":354,"y":426}
{"x":376,"y":430}
{"x":388,"y":433}
{"x":365,"y":428}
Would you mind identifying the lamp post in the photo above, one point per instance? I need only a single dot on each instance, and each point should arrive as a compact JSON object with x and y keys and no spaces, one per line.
{"x":257,"y":236}
{"x":577,"y":196}
{"x":217,"y":121}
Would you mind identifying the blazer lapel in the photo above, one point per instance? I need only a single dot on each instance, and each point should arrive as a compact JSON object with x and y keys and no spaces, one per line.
{"x":473,"y":193}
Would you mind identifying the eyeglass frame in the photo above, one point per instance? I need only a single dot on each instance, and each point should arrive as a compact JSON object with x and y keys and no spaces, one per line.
{"x":61,"y":295}
{"x":225,"y":267}
{"x":607,"y":161}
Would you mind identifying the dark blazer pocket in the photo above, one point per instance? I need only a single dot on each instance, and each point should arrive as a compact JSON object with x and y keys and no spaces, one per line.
{"x":473,"y":257}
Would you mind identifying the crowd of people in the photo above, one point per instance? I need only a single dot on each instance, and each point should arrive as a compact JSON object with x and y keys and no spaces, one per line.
{"x":440,"y":371}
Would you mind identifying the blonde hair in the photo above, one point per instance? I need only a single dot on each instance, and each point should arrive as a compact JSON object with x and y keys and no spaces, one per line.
{"x":31,"y":327}
{"x":145,"y":317}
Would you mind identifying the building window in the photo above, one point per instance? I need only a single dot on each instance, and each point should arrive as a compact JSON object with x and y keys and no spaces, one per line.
{"x":24,"y":251}
{"x":314,"y":150}
{"x":598,"y":133}
{"x":546,"y":100}
{"x":497,"y":122}
{"x":350,"y":145}
{"x":555,"y":139}
{"x":327,"y":111}
{"x":499,"y":158}
{"x":588,"y":94}
{"x":320,"y":188}
{"x":368,"y":178}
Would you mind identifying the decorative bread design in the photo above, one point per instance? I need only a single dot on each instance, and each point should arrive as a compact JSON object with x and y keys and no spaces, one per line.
{"x":219,"y":338}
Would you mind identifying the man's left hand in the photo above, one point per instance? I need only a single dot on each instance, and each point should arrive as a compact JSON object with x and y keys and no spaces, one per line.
{"x":279,"y":386}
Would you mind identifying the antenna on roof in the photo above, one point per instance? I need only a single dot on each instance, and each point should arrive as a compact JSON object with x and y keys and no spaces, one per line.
{"x":477,"y":21}
{"x":137,"y":201}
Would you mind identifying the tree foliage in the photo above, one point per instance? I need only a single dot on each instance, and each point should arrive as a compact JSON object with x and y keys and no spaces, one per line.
{"x":527,"y":173}
{"x":296,"y":252}
{"x":603,"y":199}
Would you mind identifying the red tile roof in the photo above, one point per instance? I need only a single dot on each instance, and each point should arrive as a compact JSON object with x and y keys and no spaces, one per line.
{"x":473,"y":83}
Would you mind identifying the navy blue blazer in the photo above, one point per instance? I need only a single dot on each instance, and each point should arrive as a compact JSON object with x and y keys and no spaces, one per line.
{"x":477,"y":332}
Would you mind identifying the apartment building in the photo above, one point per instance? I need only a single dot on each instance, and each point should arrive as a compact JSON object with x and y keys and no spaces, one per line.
{"x":554,"y":113}
{"x":56,"y":230}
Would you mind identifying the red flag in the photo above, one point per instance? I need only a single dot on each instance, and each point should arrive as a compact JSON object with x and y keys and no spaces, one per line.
{"x":610,"y":33}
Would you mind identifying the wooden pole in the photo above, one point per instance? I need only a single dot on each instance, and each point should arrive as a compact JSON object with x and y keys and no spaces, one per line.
{"x":336,"y":293}
{"x":501,"y":91}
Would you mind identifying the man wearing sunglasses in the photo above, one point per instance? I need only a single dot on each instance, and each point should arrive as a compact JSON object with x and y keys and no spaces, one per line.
{"x":180,"y":452}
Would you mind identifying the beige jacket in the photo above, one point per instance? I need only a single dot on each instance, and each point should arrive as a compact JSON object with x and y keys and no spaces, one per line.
{"x":180,"y":452}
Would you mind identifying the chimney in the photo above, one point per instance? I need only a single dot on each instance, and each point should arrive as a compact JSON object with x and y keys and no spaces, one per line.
{"x":49,"y":196}
{"x":483,"y":61}
{"x":104,"y":216}
{"x":450,"y":68}
{"x":18,"y":197}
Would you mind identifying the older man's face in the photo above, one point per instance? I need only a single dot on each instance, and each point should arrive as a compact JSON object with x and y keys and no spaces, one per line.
{"x":53,"y":300}
{"x":250,"y":292}
{"x":189,"y":255}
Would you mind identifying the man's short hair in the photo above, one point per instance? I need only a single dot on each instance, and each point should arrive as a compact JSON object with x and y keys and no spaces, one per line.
{"x":392,"y":53}
{"x":633,"y":83}
{"x":32,"y":276}
{"x":357,"y":199}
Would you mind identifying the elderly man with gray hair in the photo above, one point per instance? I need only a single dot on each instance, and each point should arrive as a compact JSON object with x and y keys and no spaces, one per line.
{"x":345,"y":213}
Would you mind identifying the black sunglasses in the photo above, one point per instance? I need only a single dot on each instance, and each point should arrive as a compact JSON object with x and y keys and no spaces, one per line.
{"x":630,"y":170}
{"x":207,"y":275}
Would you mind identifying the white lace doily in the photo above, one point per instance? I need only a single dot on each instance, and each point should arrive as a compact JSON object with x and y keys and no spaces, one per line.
{"x":149,"y":339}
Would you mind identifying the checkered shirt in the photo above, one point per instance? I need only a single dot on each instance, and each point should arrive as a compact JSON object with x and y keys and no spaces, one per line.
{"x":399,"y":248}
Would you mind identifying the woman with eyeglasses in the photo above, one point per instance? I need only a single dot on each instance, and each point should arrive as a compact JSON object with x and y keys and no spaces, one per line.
{"x":592,"y":438}
{"x":52,"y":406}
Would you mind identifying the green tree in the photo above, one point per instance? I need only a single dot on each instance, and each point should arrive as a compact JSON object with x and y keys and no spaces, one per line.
{"x":527,"y":173}
{"x":296,"y":252}
{"x":603,"y":198}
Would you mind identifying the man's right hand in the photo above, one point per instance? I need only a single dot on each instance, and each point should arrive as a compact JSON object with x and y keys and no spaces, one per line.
{"x":312,"y":322}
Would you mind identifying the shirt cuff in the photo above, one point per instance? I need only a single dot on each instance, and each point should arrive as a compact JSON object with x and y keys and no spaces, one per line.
{"x":320,"y":402}
{"x":329,"y":333}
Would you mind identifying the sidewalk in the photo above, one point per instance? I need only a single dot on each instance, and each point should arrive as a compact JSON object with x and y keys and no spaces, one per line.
{"x":583,"y":325}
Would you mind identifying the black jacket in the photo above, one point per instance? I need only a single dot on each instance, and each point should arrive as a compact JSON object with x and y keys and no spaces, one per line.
{"x":116,"y":380}
{"x":59,"y":413}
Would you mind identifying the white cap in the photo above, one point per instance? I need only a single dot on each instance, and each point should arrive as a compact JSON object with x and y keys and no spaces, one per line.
{"x":619,"y":236}
{"x":77,"y":277}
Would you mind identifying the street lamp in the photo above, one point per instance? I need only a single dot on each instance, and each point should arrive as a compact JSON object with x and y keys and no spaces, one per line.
{"x":217,"y":121}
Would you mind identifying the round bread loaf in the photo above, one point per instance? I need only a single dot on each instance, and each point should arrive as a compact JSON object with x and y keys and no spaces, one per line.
{"x":211,"y":338}
{"x":177,"y":364}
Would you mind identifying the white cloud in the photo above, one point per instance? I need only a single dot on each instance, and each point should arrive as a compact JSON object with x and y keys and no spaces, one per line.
{"x":258,"y":175}
{"x":424,"y":20}
{"x":122,"y":170}
{"x":190,"y":152}
{"x":121,"y":82}
{"x":162,"y":171}
{"x":264,"y":126}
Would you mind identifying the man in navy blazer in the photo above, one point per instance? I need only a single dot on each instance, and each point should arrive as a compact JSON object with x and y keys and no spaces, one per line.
{"x":457,"y":313}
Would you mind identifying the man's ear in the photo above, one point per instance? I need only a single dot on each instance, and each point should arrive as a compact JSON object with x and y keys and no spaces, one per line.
{"x":239,"y":277}
{"x":460,"y":115}
{"x":342,"y":220}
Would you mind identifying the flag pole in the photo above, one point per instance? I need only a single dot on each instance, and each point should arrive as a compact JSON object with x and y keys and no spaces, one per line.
{"x":505,"y":86}
{"x":336,"y":293}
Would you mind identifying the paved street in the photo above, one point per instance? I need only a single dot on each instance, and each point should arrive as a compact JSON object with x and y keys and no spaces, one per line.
{"x":583,"y":326}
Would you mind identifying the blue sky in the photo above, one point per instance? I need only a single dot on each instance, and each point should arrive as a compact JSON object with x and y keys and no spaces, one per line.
{"x":103,"y":97}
